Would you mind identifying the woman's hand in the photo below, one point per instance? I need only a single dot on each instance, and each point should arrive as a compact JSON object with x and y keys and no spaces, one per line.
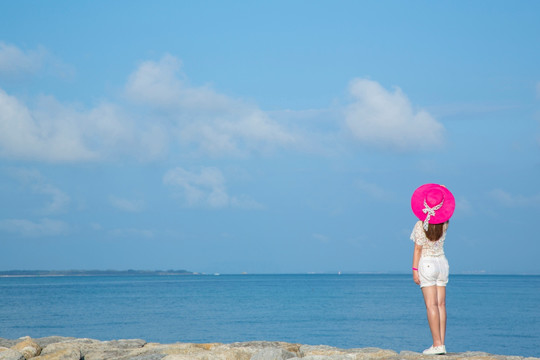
{"x":415,"y":277}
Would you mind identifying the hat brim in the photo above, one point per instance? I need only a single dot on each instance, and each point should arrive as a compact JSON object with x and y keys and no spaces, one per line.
{"x":443,"y":214}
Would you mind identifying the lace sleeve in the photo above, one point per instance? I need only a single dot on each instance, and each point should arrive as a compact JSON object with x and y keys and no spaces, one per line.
{"x":418,"y":235}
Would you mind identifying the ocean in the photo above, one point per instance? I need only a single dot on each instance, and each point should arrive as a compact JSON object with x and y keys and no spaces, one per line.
{"x":498,"y":314}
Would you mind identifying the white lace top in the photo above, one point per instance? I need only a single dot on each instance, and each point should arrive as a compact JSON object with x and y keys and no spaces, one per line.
{"x":429,"y":248}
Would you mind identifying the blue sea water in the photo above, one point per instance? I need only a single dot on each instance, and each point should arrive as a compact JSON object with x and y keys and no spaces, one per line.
{"x":496,"y":314}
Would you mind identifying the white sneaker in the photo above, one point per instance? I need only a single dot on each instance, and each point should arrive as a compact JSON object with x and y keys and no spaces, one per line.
{"x":435,"y":350}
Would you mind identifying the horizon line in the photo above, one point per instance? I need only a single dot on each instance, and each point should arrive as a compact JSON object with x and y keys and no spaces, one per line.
{"x":182,"y":272}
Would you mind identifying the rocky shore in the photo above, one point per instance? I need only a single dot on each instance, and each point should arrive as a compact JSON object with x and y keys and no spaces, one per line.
{"x":63,"y":348}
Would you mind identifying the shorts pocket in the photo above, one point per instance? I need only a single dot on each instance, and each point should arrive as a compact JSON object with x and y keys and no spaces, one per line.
{"x":429,"y":269}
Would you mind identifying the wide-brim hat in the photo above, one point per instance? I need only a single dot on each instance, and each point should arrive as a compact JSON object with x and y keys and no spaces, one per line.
{"x":433,"y":204}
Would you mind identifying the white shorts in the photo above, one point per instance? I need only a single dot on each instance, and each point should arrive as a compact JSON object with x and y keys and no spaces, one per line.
{"x":433,"y":271}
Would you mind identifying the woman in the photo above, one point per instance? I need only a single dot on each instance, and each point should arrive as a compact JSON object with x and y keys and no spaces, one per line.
{"x":433,"y":205}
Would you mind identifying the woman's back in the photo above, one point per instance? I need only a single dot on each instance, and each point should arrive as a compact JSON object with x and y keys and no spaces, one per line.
{"x":429,"y":248}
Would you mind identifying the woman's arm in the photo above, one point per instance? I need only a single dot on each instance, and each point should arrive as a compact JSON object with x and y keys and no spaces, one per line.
{"x":416,"y":259}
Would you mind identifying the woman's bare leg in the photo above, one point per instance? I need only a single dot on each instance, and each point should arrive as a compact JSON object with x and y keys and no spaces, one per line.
{"x":432,"y":308}
{"x":441,"y":301}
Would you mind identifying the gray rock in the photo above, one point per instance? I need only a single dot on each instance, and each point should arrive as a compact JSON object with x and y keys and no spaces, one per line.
{"x":7,"y":343}
{"x":43,"y":342}
{"x":98,"y":354}
{"x":315,"y":350}
{"x":83,"y":345}
{"x":328,"y":357}
{"x":124,"y":343}
{"x":9,"y":354}
{"x":273,"y":354}
{"x":144,"y":357}
{"x":259,"y":345}
{"x":60,"y":346}
{"x":62,"y":354}
{"x":406,"y":353}
{"x":372,"y":353}
{"x":475,"y":354}
{"x":122,"y":355}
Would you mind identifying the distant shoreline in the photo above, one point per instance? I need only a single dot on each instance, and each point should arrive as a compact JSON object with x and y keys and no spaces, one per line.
{"x":51,"y":273}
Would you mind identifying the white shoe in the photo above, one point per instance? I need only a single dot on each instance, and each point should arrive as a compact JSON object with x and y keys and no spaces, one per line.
{"x":435,"y":350}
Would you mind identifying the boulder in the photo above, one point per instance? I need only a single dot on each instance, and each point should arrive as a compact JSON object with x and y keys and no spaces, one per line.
{"x":327,"y":357}
{"x":83,"y":346}
{"x":28,"y":347}
{"x":123,"y":355}
{"x":10,"y":354}
{"x":273,"y":354}
{"x":61,"y":346}
{"x":7,"y":343}
{"x":62,"y":354}
{"x":260,"y":345}
{"x":373,"y":354}
{"x":91,"y":349}
{"x":124,"y":344}
{"x":324,"y":350}
{"x":186,"y":349}
{"x":44,"y":341}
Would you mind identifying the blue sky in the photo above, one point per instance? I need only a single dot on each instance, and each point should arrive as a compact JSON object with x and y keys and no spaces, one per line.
{"x":266,"y":137}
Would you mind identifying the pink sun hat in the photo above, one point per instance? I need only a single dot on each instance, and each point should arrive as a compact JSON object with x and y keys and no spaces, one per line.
{"x":433,"y":204}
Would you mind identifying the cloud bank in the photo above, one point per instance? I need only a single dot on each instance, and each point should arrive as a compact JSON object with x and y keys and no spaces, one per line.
{"x":387,"y":119}
{"x":161,"y":112}
{"x":214,"y":122}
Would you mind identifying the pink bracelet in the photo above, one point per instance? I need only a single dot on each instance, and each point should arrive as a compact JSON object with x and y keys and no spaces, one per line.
{"x":415,"y":269}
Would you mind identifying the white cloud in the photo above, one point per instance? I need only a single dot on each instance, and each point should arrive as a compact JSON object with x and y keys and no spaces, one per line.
{"x":126,"y":205}
{"x":54,"y":132}
{"x":511,"y":200}
{"x":213,"y":122}
{"x":161,"y":84}
{"x":27,"y":228}
{"x":112,"y":130}
{"x":50,"y":132}
{"x":14,"y":62}
{"x":387,"y":119}
{"x":35,"y":181}
{"x":206,"y":188}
